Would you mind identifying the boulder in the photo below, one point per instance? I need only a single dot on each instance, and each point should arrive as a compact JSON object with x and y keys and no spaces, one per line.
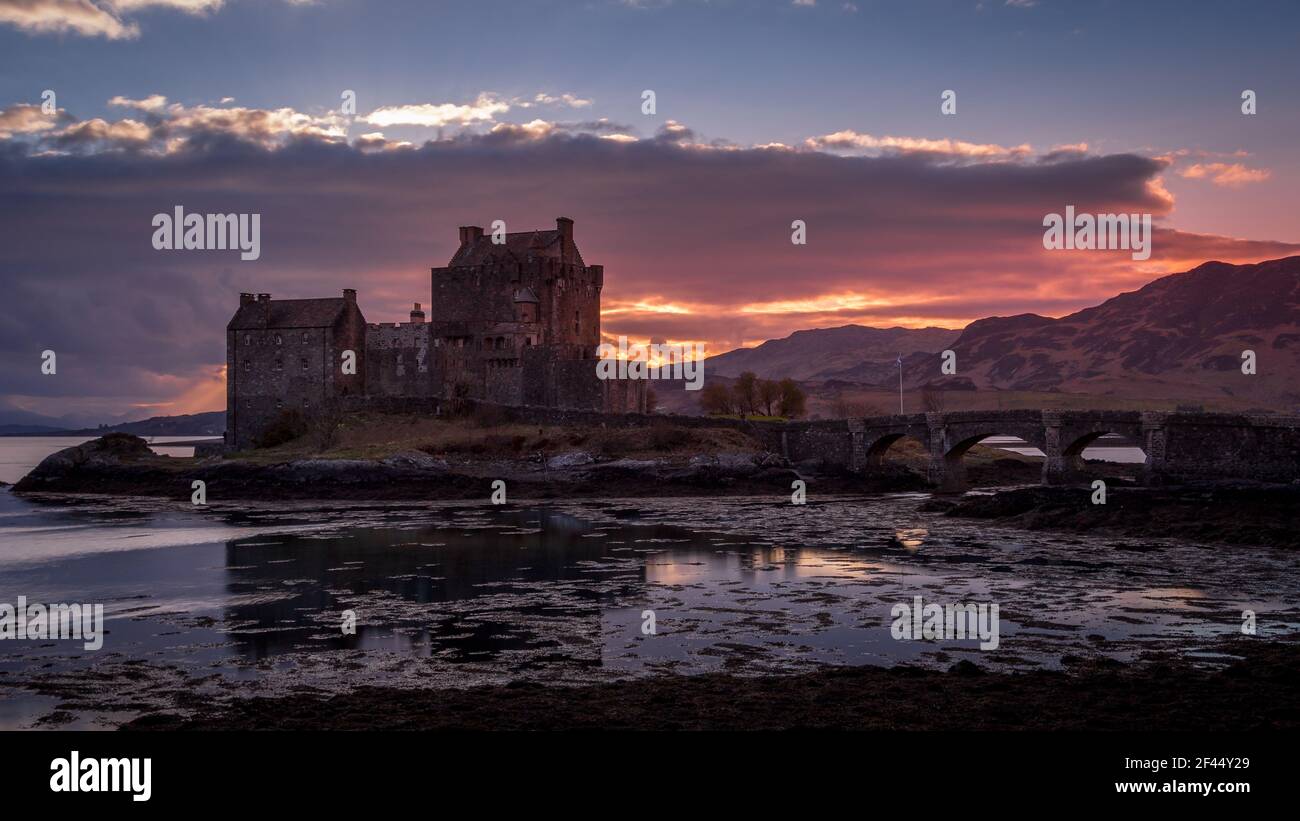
{"x":573,"y":459}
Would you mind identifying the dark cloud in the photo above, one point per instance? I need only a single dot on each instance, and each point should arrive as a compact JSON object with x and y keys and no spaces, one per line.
{"x":909,"y":238}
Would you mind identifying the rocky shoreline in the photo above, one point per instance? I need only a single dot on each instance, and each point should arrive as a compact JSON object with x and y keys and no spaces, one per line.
{"x":120,"y":464}
{"x":1258,"y":691}
{"x":1230,"y":512}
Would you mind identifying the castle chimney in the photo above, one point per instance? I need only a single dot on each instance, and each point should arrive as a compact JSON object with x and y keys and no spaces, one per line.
{"x":263,"y":297}
{"x":470,"y":234}
{"x":350,"y":295}
{"x":417,"y":315}
{"x":565,"y":226}
{"x":246,"y":299}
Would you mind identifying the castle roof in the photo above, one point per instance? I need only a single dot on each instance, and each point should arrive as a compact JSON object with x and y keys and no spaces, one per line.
{"x":288,"y":313}
{"x":518,"y":247}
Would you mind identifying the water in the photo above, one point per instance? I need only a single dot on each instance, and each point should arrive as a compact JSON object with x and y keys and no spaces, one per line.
{"x":19,"y":454}
{"x":1108,"y":448}
{"x":249,"y":599}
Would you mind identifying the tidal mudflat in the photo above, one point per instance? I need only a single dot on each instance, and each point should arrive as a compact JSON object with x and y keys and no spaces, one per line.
{"x":239,"y":601}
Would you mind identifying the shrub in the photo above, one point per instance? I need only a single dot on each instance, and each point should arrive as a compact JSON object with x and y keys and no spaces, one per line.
{"x":288,"y":425}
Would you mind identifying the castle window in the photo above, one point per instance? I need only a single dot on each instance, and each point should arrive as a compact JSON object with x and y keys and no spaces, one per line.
{"x":248,"y":339}
{"x":248,"y":365}
{"x":304,"y":363}
{"x":279,"y":364}
{"x":304,"y":336}
{"x":577,"y":323}
{"x":278,"y":340}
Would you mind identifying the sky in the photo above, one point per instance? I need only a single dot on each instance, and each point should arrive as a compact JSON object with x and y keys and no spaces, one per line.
{"x":766,"y":112}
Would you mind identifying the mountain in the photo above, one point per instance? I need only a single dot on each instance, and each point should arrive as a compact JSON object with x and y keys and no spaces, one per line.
{"x":14,"y":420}
{"x":1181,"y":336}
{"x":212,"y":423}
{"x":28,"y":430}
{"x":850,"y":353}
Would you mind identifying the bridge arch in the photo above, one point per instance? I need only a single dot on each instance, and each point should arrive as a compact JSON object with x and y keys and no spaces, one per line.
{"x":877,"y":449}
{"x":952,"y":475}
{"x":1074,"y":467}
{"x":1070,"y":434}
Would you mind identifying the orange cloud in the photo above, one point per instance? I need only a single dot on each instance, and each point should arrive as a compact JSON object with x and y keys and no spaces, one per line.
{"x":849,"y":139}
{"x":1230,"y":175}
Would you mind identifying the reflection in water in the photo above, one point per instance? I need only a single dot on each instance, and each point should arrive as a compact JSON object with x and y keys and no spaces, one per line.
{"x":453,"y":594}
{"x":910,"y":538}
{"x":290,"y":591}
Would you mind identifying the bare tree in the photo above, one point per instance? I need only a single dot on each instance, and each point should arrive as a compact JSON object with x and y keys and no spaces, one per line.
{"x":746,"y":392}
{"x":933,"y":399}
{"x":716,"y":399}
{"x":769,"y":395}
{"x":793,"y":402}
{"x":845,"y":408}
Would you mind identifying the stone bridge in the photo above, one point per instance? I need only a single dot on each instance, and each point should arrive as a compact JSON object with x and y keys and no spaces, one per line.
{"x":1178,"y":446}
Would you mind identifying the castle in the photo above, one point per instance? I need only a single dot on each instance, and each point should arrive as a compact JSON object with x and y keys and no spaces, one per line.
{"x":514,"y":321}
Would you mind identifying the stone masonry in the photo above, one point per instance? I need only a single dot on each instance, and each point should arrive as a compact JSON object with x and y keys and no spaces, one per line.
{"x":513,"y":320}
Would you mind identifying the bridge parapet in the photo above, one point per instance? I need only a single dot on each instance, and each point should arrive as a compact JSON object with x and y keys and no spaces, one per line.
{"x":1218,"y":445}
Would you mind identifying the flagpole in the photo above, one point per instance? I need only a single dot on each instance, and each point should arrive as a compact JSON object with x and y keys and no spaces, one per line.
{"x":900,"y":384}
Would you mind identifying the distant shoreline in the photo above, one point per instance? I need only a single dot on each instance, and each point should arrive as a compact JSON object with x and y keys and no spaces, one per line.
{"x":205,"y":437}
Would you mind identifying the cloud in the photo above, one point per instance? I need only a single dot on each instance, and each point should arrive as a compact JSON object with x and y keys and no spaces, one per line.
{"x":27,"y":119}
{"x":849,"y":140}
{"x":484,"y":109}
{"x":166,"y":128}
{"x":95,"y":18}
{"x":1229,"y":175}
{"x":436,"y":115}
{"x":376,"y":141}
{"x":99,"y":133}
{"x":160,"y":127}
{"x":570,"y":100}
{"x":65,"y":17}
{"x":187,"y":6}
{"x":154,"y":102}
{"x":694,"y":234}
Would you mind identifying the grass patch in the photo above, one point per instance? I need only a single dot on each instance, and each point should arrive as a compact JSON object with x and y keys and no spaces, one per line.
{"x":376,"y":436}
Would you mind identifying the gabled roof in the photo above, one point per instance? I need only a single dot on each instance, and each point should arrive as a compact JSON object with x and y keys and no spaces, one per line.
{"x":518,"y":247}
{"x":288,"y":313}
{"x":526,"y":294}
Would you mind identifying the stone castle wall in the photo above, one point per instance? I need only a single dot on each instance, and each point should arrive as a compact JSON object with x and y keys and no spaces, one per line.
{"x":272,"y":370}
{"x":397,"y":360}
